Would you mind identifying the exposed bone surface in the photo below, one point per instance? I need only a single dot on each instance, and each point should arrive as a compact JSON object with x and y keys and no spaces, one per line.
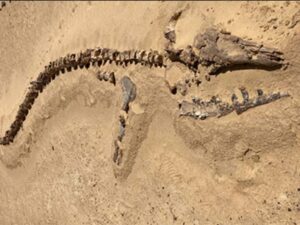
{"x":69,"y":154}
{"x":224,"y":51}
{"x":129,"y":92}
{"x":200,"y":109}
{"x":220,"y":51}
{"x":170,"y":29}
{"x":96,"y":57}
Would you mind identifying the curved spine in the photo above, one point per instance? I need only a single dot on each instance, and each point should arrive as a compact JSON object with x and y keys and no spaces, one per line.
{"x":94,"y":57}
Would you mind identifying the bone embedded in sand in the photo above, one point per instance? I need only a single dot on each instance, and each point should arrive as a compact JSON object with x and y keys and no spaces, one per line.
{"x":129,"y":94}
{"x":83,"y":59}
{"x":220,"y":50}
{"x":200,"y":109}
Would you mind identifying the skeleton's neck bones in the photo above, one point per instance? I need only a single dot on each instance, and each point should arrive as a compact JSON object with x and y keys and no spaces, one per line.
{"x":94,"y":57}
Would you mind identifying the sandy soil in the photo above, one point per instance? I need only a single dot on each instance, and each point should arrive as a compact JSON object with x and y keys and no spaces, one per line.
{"x":239,"y":169}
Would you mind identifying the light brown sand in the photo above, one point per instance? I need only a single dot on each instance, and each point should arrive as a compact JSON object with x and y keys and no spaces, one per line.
{"x":234,"y":170}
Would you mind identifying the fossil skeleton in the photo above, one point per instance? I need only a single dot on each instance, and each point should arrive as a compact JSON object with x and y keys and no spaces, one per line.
{"x":94,"y":57}
{"x":219,"y":50}
{"x":206,"y":53}
{"x":215,"y":107}
{"x":129,"y":94}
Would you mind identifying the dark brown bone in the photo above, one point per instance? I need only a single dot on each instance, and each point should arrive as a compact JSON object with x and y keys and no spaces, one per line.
{"x":54,"y":68}
{"x":223,"y":51}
